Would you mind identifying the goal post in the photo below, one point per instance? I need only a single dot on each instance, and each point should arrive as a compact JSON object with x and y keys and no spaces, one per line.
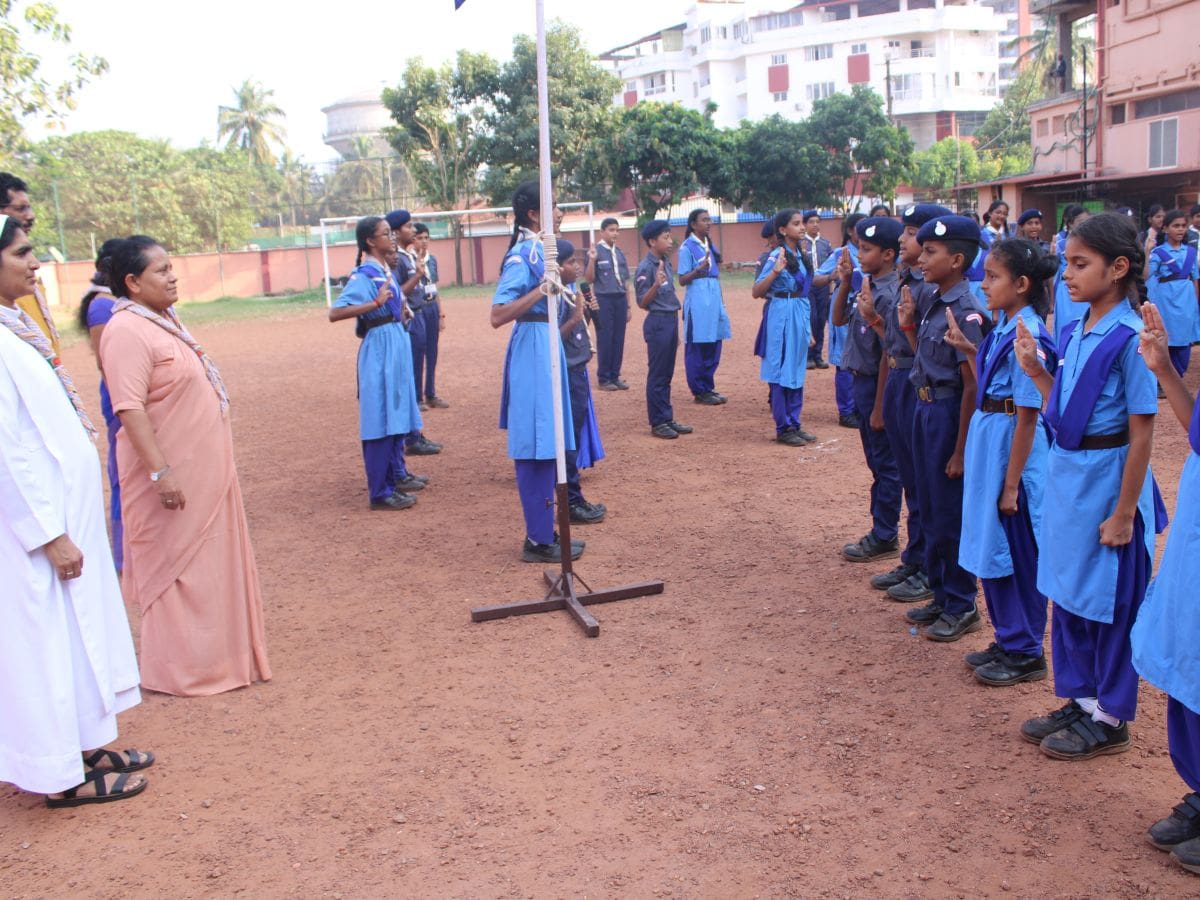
{"x":339,"y":231}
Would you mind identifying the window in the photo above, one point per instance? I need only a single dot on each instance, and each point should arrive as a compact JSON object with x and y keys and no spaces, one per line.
{"x":906,"y":87}
{"x":722,"y":33}
{"x":780,"y":96}
{"x":631,"y":86}
{"x":1058,"y":124}
{"x":958,"y":79}
{"x":705,"y":34}
{"x":858,"y":48}
{"x":654,"y":84}
{"x":775,"y":21}
{"x":1116,"y":114}
{"x":817,"y":52}
{"x":1164,"y":143}
{"x":893,"y":45}
{"x":740,"y":31}
{"x":1043,"y":128}
{"x":1168,"y":103}
{"x":819,"y":91}
{"x":695,"y":89}
{"x":779,"y":59}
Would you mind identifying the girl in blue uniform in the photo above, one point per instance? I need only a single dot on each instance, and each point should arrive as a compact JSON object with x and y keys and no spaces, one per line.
{"x":705,"y":322}
{"x":1005,"y":466}
{"x":526,"y":400}
{"x":1099,"y":499}
{"x":945,"y":385}
{"x":1171,"y":274}
{"x":760,"y":339}
{"x":1066,"y":310}
{"x":387,"y":396}
{"x":1166,"y":649}
{"x":785,"y":281}
{"x":843,"y":380}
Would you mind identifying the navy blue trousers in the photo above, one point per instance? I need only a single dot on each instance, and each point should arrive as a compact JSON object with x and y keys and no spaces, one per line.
{"x":384,"y":461}
{"x":700,"y":362}
{"x":1183,"y":739}
{"x":417,"y":336}
{"x":886,"y":490}
{"x":661,"y":331}
{"x":786,"y":404}
{"x":577,"y":383}
{"x":433,"y":327}
{"x":843,"y":391}
{"x":1016,"y":606}
{"x":610,"y":336}
{"x":818,"y":307}
{"x":935,"y":432}
{"x":1095,"y":659}
{"x":1180,"y":357}
{"x":899,"y":405}
{"x":535,"y":484}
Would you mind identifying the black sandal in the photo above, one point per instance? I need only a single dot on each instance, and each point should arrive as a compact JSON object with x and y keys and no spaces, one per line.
{"x":104,"y":760}
{"x":103,"y":794}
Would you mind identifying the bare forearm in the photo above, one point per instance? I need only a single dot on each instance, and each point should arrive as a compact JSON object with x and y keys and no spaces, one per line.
{"x":1141,"y":442}
{"x":140,"y":433}
{"x":839,"y":303}
{"x":503,"y":313}
{"x":966,"y":406}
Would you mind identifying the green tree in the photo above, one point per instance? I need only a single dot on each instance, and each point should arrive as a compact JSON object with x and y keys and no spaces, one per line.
{"x":860,"y":139}
{"x":24,"y":89}
{"x":947,"y":164}
{"x":659,"y":150}
{"x":780,"y":165}
{"x":581,"y":109}
{"x":252,"y":123}
{"x":441,"y":130}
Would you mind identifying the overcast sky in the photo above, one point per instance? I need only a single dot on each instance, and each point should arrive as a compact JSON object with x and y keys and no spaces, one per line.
{"x":173,"y":63}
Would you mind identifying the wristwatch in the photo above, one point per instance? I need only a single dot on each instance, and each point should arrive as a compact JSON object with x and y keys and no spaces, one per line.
{"x":160,"y":474}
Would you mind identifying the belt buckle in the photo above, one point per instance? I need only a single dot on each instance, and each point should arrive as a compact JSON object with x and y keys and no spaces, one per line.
{"x":1010,"y":408}
{"x":925,"y":394}
{"x":891,"y":362}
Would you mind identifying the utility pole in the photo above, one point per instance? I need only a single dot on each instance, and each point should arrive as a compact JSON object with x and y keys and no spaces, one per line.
{"x":887,"y":64}
{"x":1083,"y":56}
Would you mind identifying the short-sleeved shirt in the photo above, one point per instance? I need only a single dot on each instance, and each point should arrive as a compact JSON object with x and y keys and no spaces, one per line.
{"x":784,"y":282}
{"x":937,"y":363}
{"x":577,"y":343}
{"x":406,"y":268}
{"x":665,"y":299}
{"x":1009,"y":379}
{"x":611,"y":275}
{"x":363,"y":286}
{"x":864,"y":349}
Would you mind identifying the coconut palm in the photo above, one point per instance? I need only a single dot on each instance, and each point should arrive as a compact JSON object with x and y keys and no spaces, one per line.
{"x":252,"y":124}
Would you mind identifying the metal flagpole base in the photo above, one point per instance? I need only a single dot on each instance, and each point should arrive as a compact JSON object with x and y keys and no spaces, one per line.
{"x":561,"y":584}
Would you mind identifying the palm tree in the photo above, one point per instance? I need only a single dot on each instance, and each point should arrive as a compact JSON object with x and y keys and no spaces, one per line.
{"x":252,"y":123}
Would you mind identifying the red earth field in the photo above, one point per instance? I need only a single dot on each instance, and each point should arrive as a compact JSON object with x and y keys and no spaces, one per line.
{"x":767,"y":727}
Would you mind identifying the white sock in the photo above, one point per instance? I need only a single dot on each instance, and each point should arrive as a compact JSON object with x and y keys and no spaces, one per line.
{"x":1099,"y":715}
{"x":1088,"y":704}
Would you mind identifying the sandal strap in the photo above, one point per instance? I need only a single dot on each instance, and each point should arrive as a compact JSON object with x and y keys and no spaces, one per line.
{"x":96,"y":775}
{"x":118,"y":787}
{"x":111,"y":758}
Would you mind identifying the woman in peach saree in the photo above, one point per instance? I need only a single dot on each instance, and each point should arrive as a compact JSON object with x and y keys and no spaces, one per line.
{"x":189,"y":564}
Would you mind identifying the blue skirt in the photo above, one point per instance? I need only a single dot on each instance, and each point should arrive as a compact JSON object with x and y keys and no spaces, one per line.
{"x":387,"y":395}
{"x":526,"y":401}
{"x":704,"y":317}
{"x":785,"y":354}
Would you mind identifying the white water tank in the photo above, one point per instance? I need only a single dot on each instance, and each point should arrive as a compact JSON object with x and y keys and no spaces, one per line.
{"x":359,"y":115}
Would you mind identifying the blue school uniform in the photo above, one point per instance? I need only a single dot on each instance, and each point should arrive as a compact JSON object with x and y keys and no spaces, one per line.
{"x":1066,"y":311}
{"x":1096,"y":590}
{"x":1172,"y":287}
{"x":760,"y":339}
{"x":815,"y":252}
{"x":863,"y":358}
{"x":99,"y":311}
{"x":937,"y":377}
{"x":975,"y":273}
{"x":705,"y":321}
{"x":387,"y":397}
{"x":526,"y":396}
{"x":433,"y":324}
{"x":577,"y":348}
{"x":610,"y":285}
{"x":785,"y":354}
{"x":1002,"y":549}
{"x":843,"y":380}
{"x":661,"y":332}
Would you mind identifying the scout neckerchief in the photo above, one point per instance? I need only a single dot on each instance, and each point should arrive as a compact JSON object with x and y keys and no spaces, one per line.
{"x":1175,"y":269}
{"x":1000,"y":346}
{"x":706,"y":247}
{"x":395,"y":302}
{"x":20,"y":324}
{"x":169,"y":322}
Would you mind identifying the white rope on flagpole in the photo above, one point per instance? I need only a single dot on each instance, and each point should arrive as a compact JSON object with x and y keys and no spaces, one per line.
{"x":550,"y":248}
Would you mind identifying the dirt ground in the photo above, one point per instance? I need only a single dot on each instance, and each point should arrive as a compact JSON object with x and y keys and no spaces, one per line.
{"x":767,"y":727}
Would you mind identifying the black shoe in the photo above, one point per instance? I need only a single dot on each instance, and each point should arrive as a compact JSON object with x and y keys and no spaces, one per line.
{"x":548,"y":553}
{"x":621,"y":385}
{"x":1038,"y":729}
{"x":587,"y":513}
{"x":423,"y":406}
{"x":721,"y":398}
{"x":792,"y":438}
{"x":812,"y":364}
{"x":665,"y":431}
{"x":910,"y":591}
{"x":951,"y":627}
{"x":423,"y":447}
{"x":982,"y":657}
{"x":411,"y":483}
{"x":821,"y":364}
{"x":925,"y":615}
{"x":871,"y":548}
{"x":1187,"y":855}
{"x":1012,"y":668}
{"x":807,"y":436}
{"x":708,"y":399}
{"x":1085,"y":738}
{"x":681,"y":429}
{"x":436,"y":403}
{"x":608,"y":386}
{"x":1183,"y":824}
{"x":850,"y":421}
{"x":394,"y":501}
{"x":893,"y":577}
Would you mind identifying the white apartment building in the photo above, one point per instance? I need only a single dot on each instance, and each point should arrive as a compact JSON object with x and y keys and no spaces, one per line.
{"x":935,"y":62}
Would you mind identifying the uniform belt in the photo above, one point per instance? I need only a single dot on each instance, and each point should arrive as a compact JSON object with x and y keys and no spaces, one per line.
{"x":365,"y":325}
{"x":999,"y":405}
{"x":938,"y":392}
{"x":859,"y":373}
{"x":900,"y":362}
{"x":534,"y":317}
{"x":788,"y":296}
{"x":1104,"y":441}
{"x":663,"y":312}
